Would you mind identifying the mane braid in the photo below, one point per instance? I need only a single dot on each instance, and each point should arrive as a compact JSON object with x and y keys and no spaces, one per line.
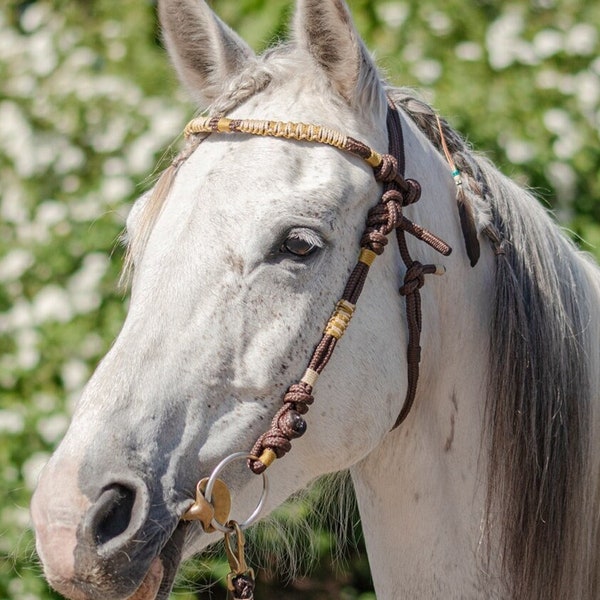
{"x":538,"y":515}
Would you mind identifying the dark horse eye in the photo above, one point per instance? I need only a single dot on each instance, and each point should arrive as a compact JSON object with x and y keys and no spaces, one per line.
{"x":299,"y":246}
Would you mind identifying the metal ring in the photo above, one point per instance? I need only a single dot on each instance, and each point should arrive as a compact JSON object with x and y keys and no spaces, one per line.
{"x":211,"y":483}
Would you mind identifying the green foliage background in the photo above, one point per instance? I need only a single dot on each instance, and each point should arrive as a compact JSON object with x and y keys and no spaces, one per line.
{"x":88,"y":105}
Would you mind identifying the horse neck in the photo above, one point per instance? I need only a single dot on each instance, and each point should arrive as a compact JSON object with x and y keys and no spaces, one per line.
{"x":421,"y":492}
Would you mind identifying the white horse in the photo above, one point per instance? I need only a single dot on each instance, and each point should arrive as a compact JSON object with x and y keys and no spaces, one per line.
{"x":488,"y":489}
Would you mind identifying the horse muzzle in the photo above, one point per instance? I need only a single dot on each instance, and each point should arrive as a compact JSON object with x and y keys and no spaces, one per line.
{"x":113,"y":543}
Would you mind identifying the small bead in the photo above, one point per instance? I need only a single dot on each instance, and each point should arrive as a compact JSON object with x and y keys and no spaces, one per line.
{"x":296,"y":423}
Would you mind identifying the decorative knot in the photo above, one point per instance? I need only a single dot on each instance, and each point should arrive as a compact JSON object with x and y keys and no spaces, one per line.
{"x":287,"y":424}
{"x":374,"y":240}
{"x":243,"y":587}
{"x":412,"y":191}
{"x":388,"y":168}
{"x":414,"y":279}
{"x":393,"y":208}
{"x":382,"y":219}
{"x":393,"y":195}
{"x":299,"y":395}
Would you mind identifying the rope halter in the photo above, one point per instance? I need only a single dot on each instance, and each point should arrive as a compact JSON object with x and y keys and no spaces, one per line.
{"x":385,"y":217}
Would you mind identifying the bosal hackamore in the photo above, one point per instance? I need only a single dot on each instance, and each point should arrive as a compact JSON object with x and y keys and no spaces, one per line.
{"x":382,"y":219}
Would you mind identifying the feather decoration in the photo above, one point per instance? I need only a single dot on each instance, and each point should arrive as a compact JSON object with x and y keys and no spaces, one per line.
{"x":464,"y":204}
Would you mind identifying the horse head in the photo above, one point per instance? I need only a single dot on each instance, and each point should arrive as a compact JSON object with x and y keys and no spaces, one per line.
{"x":235,"y":271}
{"x":238,"y":257}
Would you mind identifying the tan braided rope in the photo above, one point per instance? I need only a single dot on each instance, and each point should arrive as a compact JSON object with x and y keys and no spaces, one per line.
{"x":289,"y":131}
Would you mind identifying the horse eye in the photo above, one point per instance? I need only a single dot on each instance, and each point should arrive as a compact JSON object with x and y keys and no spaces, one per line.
{"x":299,"y":246}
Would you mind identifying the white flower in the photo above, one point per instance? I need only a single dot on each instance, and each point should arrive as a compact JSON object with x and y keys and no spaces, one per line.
{"x":581,"y":39}
{"x":42,"y":53}
{"x":519,"y":151}
{"x":74,"y":374}
{"x":564,"y":179}
{"x":116,"y":189}
{"x":558,"y":121}
{"x":470,"y":51}
{"x":15,"y":263}
{"x":439,"y":22}
{"x":548,"y":42}
{"x":587,"y":86}
{"x":394,"y":14}
{"x":34,"y":16}
{"x":427,"y":71}
{"x":71,"y":158}
{"x":83,"y":285}
{"x":28,"y":355}
{"x":18,"y":317}
{"x":11,"y":422}
{"x":502,"y":37}
{"x":52,"y":428}
{"x":12,"y":202}
{"x":568,"y":145}
{"x":52,"y":304}
{"x":51,"y":212}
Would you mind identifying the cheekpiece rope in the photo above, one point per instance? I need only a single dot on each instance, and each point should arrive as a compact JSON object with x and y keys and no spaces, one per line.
{"x":383,"y":218}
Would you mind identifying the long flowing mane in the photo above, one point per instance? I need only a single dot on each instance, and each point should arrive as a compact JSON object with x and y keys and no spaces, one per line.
{"x":543,"y":375}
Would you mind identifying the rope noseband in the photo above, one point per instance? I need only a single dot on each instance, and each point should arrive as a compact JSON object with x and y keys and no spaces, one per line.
{"x":382,"y":219}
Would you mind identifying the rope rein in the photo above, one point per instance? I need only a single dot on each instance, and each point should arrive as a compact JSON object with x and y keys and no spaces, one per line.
{"x":382,"y":219}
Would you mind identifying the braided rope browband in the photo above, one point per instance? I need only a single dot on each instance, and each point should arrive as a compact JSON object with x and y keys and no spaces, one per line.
{"x":383,"y":218}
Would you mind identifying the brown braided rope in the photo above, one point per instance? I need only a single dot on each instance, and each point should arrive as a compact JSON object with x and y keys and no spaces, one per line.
{"x":383,"y":218}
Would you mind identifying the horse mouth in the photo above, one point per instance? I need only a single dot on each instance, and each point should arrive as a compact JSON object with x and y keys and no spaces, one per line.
{"x":160,"y":577}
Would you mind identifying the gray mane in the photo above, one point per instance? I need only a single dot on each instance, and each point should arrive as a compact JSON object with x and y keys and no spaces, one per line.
{"x":540,"y":387}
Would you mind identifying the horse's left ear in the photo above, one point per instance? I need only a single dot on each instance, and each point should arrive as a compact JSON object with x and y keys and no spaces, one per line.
{"x":325,"y":29}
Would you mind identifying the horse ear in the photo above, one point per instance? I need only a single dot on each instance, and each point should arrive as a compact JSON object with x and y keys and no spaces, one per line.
{"x":205,"y":51}
{"x":325,"y":29}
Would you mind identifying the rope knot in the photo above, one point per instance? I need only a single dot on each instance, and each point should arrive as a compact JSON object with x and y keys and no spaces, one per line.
{"x":242,"y":587}
{"x":393,"y":195}
{"x":287,"y":424}
{"x":299,"y":395}
{"x":412,"y":191}
{"x":392,"y":201}
{"x":414,"y":279}
{"x":388,"y":168}
{"x":375,"y":241}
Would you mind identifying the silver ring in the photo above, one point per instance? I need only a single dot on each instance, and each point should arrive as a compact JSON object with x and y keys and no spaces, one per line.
{"x":211,"y":483}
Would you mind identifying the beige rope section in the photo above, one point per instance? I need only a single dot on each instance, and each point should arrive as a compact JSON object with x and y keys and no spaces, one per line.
{"x":340,"y":319}
{"x":287,"y":130}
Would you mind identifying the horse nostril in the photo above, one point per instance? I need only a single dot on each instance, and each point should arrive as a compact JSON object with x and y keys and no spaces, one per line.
{"x":112,"y":513}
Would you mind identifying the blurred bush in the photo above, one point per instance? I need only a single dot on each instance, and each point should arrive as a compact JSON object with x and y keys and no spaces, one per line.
{"x":88,"y":105}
